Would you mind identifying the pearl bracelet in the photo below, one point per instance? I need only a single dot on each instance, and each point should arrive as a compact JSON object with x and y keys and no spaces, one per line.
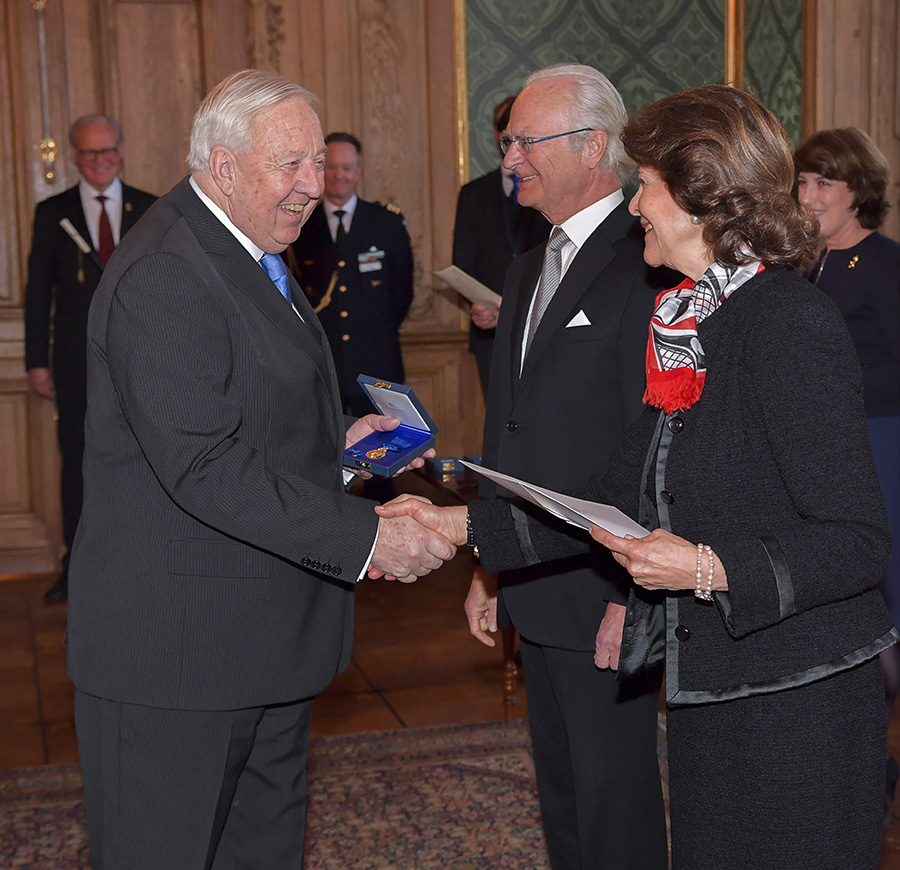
{"x":700,"y":592}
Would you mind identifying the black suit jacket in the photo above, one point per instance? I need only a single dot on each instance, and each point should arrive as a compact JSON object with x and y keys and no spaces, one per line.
{"x":215,"y":561}
{"x":361,"y":297}
{"x":489,"y":233}
{"x":61,"y":283}
{"x":491,"y":230}
{"x":560,"y":422}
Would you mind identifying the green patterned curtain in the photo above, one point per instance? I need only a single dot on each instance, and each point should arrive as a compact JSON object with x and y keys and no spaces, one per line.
{"x":648,"y":50}
{"x":773,"y":58}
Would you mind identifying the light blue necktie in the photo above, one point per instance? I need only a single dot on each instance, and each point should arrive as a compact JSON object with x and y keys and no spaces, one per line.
{"x":274,"y":266}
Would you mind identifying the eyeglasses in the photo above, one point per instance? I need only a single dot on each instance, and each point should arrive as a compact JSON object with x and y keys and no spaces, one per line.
{"x":524,"y":143}
{"x":92,"y":153}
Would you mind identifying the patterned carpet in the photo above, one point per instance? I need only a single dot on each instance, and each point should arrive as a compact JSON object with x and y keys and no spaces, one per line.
{"x":420,"y":799}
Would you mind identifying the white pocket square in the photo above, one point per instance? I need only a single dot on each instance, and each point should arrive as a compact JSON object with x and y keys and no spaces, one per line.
{"x":579,"y":319}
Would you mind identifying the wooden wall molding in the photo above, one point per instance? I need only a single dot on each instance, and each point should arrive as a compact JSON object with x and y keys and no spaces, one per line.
{"x":852,"y":77}
{"x":269,"y":43}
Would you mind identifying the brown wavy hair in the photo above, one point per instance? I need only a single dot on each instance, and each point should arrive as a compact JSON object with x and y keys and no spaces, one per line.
{"x":848,"y":154}
{"x":727,"y":160}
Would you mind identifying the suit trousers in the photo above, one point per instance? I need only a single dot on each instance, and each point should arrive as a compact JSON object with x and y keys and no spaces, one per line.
{"x":596,"y":763}
{"x":193,"y":790}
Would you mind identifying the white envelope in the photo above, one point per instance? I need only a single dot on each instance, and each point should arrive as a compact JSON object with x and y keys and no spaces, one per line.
{"x":575,"y":511}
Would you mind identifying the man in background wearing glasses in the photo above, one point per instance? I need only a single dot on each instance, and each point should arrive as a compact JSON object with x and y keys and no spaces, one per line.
{"x":567,"y":378}
{"x":491,"y":229}
{"x":75,"y":232}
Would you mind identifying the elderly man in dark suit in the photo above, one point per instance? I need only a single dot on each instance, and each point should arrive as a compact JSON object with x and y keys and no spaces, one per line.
{"x":491,"y":229}
{"x":213,"y":571}
{"x":567,"y":379}
{"x":74,"y":235}
{"x":354,"y":260}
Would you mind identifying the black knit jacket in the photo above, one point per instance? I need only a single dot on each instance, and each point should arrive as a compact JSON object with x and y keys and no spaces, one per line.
{"x":772,"y":469}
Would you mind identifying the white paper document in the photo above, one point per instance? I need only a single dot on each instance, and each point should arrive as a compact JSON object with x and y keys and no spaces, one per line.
{"x":464,"y":284}
{"x":576,"y":511}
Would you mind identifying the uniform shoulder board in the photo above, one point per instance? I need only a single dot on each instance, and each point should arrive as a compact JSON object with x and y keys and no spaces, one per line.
{"x":392,"y":208}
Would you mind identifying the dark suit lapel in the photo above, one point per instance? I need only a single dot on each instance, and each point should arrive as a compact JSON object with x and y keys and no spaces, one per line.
{"x":129,"y":214}
{"x":248,"y":278}
{"x":530,"y":274}
{"x":593,"y":257}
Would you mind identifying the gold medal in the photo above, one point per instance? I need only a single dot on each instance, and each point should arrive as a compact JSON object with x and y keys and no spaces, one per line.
{"x":377,"y":453}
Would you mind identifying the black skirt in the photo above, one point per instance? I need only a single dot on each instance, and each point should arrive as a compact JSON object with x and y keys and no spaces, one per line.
{"x":783,"y":781}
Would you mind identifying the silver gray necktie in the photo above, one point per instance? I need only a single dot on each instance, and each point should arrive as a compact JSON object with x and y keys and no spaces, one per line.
{"x":551,"y":275}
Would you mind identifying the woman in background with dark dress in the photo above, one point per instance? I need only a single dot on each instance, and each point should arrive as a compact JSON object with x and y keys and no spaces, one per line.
{"x":842,"y":179}
{"x":758,"y":586}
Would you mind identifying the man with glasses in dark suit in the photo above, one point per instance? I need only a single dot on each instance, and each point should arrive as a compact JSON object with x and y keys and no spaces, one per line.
{"x":567,"y":378}
{"x":75,"y":233}
{"x":491,"y":229}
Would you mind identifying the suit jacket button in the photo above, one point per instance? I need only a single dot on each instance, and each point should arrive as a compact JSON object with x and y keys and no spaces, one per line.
{"x":682,"y":632}
{"x":666,"y":497}
{"x":304,"y":561}
{"x":676,"y":424}
{"x":337,"y":570}
{"x":345,"y":338}
{"x":341,"y":264}
{"x":315,"y":565}
{"x":511,"y":426}
{"x":326,"y":567}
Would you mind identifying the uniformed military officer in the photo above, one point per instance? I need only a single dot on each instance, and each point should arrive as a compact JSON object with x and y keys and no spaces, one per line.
{"x":354,"y":261}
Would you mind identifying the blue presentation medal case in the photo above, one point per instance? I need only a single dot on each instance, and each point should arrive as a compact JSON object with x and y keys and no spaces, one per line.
{"x":385,"y":453}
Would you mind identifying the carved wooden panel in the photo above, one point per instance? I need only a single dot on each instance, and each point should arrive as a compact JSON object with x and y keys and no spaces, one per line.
{"x":384,"y":70}
{"x":14,"y":488}
{"x":157,"y":87}
{"x":9,"y":241}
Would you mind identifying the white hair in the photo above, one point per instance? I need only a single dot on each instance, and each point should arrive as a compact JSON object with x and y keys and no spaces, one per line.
{"x":596,"y":104}
{"x":225,"y":116}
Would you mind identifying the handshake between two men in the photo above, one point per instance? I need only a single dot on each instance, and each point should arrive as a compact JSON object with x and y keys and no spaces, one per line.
{"x":407,"y":547}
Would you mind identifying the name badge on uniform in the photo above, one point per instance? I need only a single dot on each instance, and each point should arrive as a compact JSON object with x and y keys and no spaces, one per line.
{"x":370,"y":261}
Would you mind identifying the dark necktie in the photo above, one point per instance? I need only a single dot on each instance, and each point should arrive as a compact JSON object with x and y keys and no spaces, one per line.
{"x":340,"y":238}
{"x":275,"y":269}
{"x":105,"y":243}
{"x":551,"y":275}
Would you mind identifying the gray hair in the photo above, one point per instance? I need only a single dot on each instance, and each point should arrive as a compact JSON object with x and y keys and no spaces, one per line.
{"x":226,"y":115}
{"x":93,"y":121}
{"x":595,"y":104}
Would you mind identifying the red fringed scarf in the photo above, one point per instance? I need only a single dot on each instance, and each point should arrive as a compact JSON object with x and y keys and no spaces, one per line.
{"x":676,"y":365}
